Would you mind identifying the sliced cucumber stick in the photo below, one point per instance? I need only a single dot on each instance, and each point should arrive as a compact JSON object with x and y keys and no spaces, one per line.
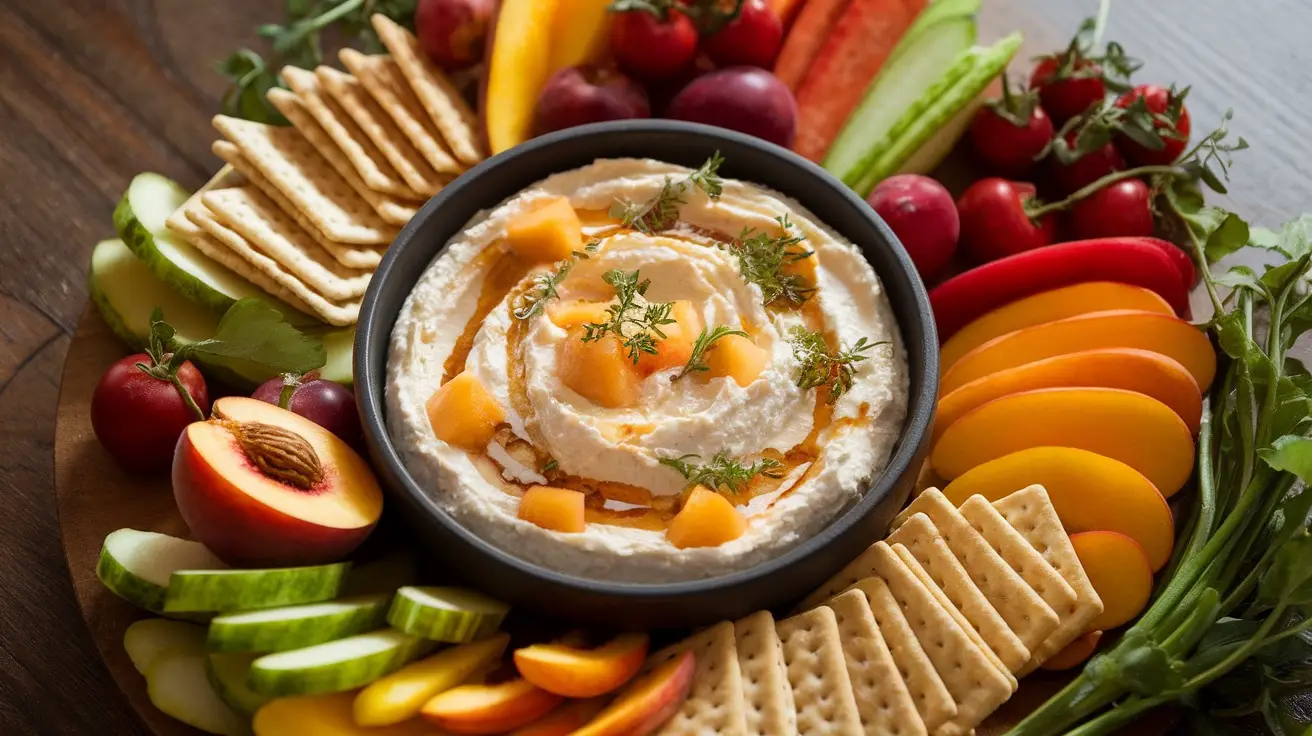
{"x":147,"y":639}
{"x":136,"y":565}
{"x":220,"y":591}
{"x":281,"y":629}
{"x":340,"y":665}
{"x":229,"y":674}
{"x":179,"y":685}
{"x":452,"y":615}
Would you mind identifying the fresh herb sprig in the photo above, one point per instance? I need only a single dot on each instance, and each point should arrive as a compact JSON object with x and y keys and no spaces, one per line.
{"x":546,"y":285}
{"x":818,"y":366}
{"x":634,"y":320}
{"x":703,"y":343}
{"x":661,"y":211}
{"x":763,"y":259}
{"x":723,"y":471}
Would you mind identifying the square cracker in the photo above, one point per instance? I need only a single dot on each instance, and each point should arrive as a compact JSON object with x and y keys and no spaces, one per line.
{"x":1030,"y":512}
{"x":921,"y":542}
{"x":378,"y":125}
{"x":817,"y":672}
{"x":383,"y":79}
{"x":275,"y":234}
{"x":334,"y":313}
{"x":369,"y":162}
{"x":440,"y":98}
{"x":716,"y":704}
{"x":393,"y":210}
{"x":1026,"y":613}
{"x":977,"y":684}
{"x":882,"y":699}
{"x":284,"y":157}
{"x":220,"y":254}
{"x":769,"y":698}
{"x":933,"y":702}
{"x":178,"y":221}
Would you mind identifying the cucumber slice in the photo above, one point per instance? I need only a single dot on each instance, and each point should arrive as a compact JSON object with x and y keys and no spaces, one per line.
{"x":339,"y":665}
{"x":126,"y":293}
{"x":281,"y":629}
{"x":955,"y":90}
{"x":340,"y":346}
{"x":452,"y":615}
{"x":220,"y":591}
{"x":147,"y":639}
{"x":136,"y":566}
{"x":228,"y":674}
{"x":179,"y":685}
{"x":921,"y":58}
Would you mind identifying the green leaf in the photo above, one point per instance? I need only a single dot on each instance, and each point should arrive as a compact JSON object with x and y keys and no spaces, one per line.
{"x":252,"y":333}
{"x":1138,"y":665}
{"x":1283,"y":275}
{"x":1229,"y":235}
{"x":1288,"y":582}
{"x":1295,"y":237}
{"x":1291,"y":454}
{"x":1293,"y":407}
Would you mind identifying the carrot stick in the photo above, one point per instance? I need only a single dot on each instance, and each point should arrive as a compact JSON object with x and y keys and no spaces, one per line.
{"x":806,"y":39}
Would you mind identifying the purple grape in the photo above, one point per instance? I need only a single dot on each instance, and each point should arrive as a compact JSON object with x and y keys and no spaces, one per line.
{"x":329,"y":405}
{"x":742,"y":98}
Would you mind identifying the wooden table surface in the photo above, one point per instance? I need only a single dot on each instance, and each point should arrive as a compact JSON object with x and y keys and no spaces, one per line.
{"x":94,"y":91}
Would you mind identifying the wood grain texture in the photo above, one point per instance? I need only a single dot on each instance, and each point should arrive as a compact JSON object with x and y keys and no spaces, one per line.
{"x":94,"y":91}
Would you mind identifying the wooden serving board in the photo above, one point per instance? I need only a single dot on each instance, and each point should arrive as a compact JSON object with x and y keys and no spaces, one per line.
{"x":94,"y":497}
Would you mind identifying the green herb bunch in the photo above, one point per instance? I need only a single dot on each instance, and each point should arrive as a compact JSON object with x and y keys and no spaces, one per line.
{"x":763,"y":259}
{"x":662,"y":211}
{"x":722,"y":471}
{"x":818,"y":366}
{"x":634,"y":320}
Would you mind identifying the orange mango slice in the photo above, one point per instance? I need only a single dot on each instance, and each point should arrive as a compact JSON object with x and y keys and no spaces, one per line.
{"x":557,"y":509}
{"x":707,"y":519}
{"x":579,"y":33}
{"x":464,"y":413}
{"x":1118,"y":569}
{"x":518,"y":64}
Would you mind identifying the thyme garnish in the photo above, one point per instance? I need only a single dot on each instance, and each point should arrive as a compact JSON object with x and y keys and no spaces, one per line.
{"x":699,"y":348}
{"x":634,"y":320}
{"x":533,"y":302}
{"x":819,"y":366}
{"x":723,"y":471}
{"x":660,"y":212}
{"x":763,"y":258}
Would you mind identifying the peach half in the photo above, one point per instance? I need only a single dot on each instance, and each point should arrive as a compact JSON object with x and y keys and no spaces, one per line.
{"x":648,"y":702}
{"x":263,"y":487}
{"x":583,"y":673}
{"x":489,"y":709}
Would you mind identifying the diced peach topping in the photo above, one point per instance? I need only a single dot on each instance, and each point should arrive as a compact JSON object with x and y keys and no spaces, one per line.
{"x":599,"y":371}
{"x":707,"y":519}
{"x":567,"y":314}
{"x":464,"y":413}
{"x":557,"y":509}
{"x":548,"y":232}
{"x":676,"y":348}
{"x":737,"y":357}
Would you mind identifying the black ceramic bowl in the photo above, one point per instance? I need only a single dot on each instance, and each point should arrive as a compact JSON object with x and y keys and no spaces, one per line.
{"x":770,"y":585}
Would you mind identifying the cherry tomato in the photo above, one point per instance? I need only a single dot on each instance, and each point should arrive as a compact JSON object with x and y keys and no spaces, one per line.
{"x":1089,"y":168}
{"x":1008,"y":149}
{"x":138,"y":416}
{"x":994,"y":223}
{"x":1067,"y":94}
{"x":647,"y":47}
{"x":752,"y":39}
{"x":1158,"y":100}
{"x":1120,"y":209}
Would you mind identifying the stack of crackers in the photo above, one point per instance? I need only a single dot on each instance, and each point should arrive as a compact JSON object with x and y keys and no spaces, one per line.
{"x":305,"y":212}
{"x":924,"y":633}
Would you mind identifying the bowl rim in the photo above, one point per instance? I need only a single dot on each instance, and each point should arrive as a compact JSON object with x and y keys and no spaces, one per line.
{"x":374,"y":331}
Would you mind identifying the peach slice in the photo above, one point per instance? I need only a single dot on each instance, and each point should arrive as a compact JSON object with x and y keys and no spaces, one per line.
{"x":1138,"y":430}
{"x":549,"y":232}
{"x":1074,"y":654}
{"x":583,"y":673}
{"x":707,"y":519}
{"x":1148,"y":373}
{"x":263,"y":487}
{"x":1119,"y":570}
{"x":557,"y":509}
{"x":564,"y":720}
{"x":464,"y":413}
{"x":567,"y":314}
{"x":579,"y":33}
{"x":676,"y":347}
{"x":324,"y":715}
{"x":599,"y":371}
{"x":1090,"y":492}
{"x":489,"y":709}
{"x":518,"y":62}
{"x":1122,"y":328}
{"x":1068,"y":301}
{"x":737,"y":357}
{"x":648,"y":702}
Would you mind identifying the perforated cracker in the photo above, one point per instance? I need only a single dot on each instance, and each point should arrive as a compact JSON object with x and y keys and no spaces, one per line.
{"x":882,"y":699}
{"x":1030,"y":512}
{"x":768,"y":696}
{"x":284,"y":157}
{"x":178,"y":221}
{"x":817,"y":672}
{"x":716,"y":704}
{"x":384,"y":81}
{"x":220,"y":254}
{"x":440,"y":98}
{"x":933,"y":702}
{"x":919,"y":540}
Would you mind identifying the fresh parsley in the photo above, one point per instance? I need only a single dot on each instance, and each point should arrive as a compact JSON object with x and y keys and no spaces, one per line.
{"x":818,"y":366}
{"x":634,"y":320}
{"x":545,"y":285}
{"x":661,"y":211}
{"x":763,"y":259}
{"x":723,"y":471}
{"x":703,"y":343}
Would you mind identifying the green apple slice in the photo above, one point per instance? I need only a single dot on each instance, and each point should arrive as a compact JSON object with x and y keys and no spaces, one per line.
{"x":178,"y":684}
{"x":221,"y":591}
{"x":452,"y":615}
{"x":281,"y":629}
{"x":136,"y":565}
{"x":127,"y":293}
{"x":339,"y":665}
{"x":147,"y":639}
{"x":229,"y":674}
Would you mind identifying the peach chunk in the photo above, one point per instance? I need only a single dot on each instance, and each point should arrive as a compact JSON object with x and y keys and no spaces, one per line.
{"x":1119,"y":570}
{"x":676,"y":347}
{"x":599,"y":371}
{"x":1074,"y":654}
{"x":557,"y":509}
{"x":583,"y":673}
{"x":648,"y":702}
{"x":707,"y":519}
{"x":489,"y":709}
{"x":737,"y":357}
{"x":548,"y":232}
{"x":564,"y":720}
{"x":464,"y":413}
{"x":567,"y":314}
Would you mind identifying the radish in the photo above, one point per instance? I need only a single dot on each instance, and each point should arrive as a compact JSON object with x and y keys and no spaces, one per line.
{"x":922,"y":215}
